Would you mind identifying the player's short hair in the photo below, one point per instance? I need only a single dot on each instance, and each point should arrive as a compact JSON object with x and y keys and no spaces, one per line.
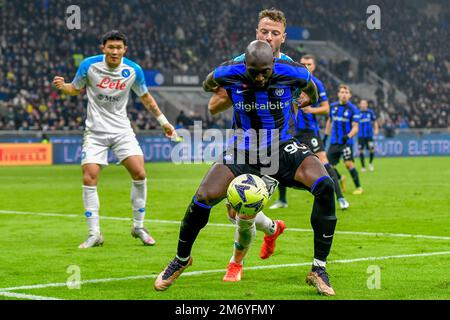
{"x":114,"y":35}
{"x":274,"y":15}
{"x":345,"y":86}
{"x":309,"y":57}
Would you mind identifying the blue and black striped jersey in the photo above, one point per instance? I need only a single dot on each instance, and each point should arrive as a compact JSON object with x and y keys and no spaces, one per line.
{"x":308,"y":121}
{"x":342,"y":116}
{"x":262,"y":109}
{"x":366,"y":123}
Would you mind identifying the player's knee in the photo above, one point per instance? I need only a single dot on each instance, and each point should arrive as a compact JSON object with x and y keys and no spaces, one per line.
{"x":243,"y":216}
{"x":139,"y":175}
{"x":206,"y":197}
{"x":90,"y":178}
{"x":323,"y":188}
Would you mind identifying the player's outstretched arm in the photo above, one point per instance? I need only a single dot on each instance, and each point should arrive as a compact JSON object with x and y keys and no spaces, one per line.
{"x":150,"y":104}
{"x":323,"y":108}
{"x":67,"y":88}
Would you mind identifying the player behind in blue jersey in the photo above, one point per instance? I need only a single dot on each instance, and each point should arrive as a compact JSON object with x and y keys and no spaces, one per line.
{"x":261,"y":90}
{"x":368,"y":126}
{"x":343,"y":123}
{"x":307,"y":132}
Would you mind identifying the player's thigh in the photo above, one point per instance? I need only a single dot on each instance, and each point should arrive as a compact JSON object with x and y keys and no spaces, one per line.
{"x":313,"y":141}
{"x":309,"y":171}
{"x":322,"y":157}
{"x":95,"y":149}
{"x":214,"y":185}
{"x":125,"y":145}
{"x":135,"y":166}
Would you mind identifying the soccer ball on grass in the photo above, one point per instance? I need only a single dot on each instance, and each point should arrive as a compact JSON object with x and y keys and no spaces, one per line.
{"x":247,"y":194}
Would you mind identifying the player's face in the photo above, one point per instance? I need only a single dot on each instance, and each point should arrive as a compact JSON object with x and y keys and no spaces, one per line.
{"x":309,"y":63}
{"x":259,"y":74}
{"x":363,"y":105}
{"x":271,"y":31}
{"x":114,"y":50}
{"x":344,"y":95}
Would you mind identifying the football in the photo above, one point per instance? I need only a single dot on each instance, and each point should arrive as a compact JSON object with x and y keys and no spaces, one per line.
{"x":247,"y":194}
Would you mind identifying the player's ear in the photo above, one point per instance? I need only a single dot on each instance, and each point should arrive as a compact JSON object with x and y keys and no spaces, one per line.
{"x":125,"y":50}
{"x":102,"y":47}
{"x":284,"y":37}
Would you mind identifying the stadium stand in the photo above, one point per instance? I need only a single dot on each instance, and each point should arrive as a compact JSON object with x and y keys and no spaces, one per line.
{"x":194,"y":36}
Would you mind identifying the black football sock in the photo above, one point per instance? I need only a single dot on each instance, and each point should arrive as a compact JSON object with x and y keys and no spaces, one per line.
{"x":372,"y":154}
{"x":337,"y":173}
{"x":282,"y":190}
{"x":355,"y":177}
{"x":333,"y":175}
{"x":195,"y":219}
{"x":323,"y":217}
{"x":361,"y":156}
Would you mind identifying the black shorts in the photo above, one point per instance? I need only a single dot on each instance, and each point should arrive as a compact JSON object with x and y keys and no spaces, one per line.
{"x":289,"y":156}
{"x":335,"y":151}
{"x":312,"y":140}
{"x":366,"y":143}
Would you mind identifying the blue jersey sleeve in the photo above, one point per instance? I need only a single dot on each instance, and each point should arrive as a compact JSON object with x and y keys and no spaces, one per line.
{"x":229,"y":73}
{"x":139,"y":86}
{"x":80,"y":79}
{"x":373,"y":116}
{"x":355,"y":114}
{"x":320,"y":90}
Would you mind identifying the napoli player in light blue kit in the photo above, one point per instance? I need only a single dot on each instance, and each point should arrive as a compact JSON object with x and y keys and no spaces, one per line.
{"x":108,"y":79}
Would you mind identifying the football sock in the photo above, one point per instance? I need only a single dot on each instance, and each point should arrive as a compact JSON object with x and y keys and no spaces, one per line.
{"x":91,"y":205}
{"x":332,"y":172}
{"x":282,"y":190}
{"x":195,"y":219}
{"x":355,"y":177}
{"x":319,"y":263}
{"x":371,"y":154}
{"x":138,"y":201}
{"x":323,"y":217}
{"x":361,"y":157}
{"x":337,"y":173}
{"x":244,"y":236}
{"x":265,"y":224}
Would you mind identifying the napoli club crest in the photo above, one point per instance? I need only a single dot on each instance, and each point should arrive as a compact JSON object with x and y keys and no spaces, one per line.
{"x":126,"y":73}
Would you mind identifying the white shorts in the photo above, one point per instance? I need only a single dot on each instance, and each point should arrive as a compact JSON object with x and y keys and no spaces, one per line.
{"x":96,"y":146}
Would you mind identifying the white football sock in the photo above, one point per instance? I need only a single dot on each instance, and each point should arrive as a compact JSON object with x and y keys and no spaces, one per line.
{"x":138,"y":201}
{"x":91,"y":205}
{"x":244,"y":236}
{"x":265,"y":224}
{"x":319,"y":263}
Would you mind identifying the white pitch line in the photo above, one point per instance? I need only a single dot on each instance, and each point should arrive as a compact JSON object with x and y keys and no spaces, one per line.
{"x":361,"y":233}
{"x":26,"y":296}
{"x":194,"y":273}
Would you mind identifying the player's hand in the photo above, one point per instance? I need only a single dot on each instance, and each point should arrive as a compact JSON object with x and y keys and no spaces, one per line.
{"x":307,"y":110}
{"x":58,"y":82}
{"x":345,"y":139}
{"x":169,"y":131}
{"x":304,"y":100}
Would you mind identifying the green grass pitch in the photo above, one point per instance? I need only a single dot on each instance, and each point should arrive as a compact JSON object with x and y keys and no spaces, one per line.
{"x":403,"y":196}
